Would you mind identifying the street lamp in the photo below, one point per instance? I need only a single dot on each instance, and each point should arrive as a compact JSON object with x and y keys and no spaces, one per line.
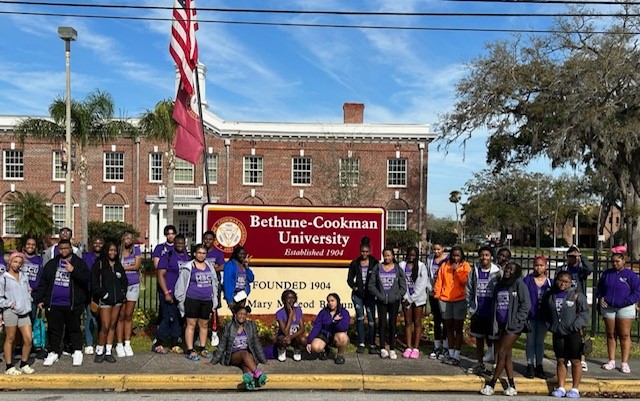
{"x":68,"y":34}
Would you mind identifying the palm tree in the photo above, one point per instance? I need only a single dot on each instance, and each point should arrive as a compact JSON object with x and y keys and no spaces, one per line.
{"x":32,"y":215}
{"x":454,"y":197}
{"x":92,"y":123}
{"x":158,"y":124}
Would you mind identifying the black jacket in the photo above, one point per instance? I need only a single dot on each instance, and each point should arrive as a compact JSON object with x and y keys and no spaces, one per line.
{"x":80,"y":278}
{"x":354,"y":278}
{"x":108,"y":281}
{"x":223,"y":353}
{"x":573,"y":315}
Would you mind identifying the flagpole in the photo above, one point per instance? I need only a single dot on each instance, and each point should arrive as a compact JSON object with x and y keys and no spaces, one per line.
{"x":204,"y":138}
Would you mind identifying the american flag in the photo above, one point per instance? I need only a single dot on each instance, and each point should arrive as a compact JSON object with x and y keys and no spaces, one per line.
{"x":183,"y":46}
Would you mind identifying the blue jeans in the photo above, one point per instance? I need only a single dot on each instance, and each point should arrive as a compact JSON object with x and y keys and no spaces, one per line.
{"x":169,"y":326}
{"x":535,"y":341}
{"x":90,"y":325}
{"x":362,"y":307}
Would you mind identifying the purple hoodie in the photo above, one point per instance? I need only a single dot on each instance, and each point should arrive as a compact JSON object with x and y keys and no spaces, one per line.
{"x":619,"y":289}
{"x":324,"y":324}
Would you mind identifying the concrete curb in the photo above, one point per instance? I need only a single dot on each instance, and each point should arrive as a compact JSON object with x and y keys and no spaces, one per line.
{"x":353,"y":382}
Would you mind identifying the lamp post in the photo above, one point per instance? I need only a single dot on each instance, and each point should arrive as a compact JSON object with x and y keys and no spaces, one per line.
{"x":68,"y":34}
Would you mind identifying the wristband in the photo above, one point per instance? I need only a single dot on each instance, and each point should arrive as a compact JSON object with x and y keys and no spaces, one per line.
{"x":167,"y":292}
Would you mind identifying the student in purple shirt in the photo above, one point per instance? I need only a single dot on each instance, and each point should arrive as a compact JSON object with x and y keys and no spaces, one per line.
{"x":131,"y":260}
{"x":330,"y":328}
{"x":169,"y":267}
{"x":161,"y":249}
{"x":617,"y":294}
{"x":197,"y":294}
{"x":290,"y":327}
{"x":538,"y":284}
{"x":216,"y":258}
{"x":32,"y":266}
{"x":90,"y":322}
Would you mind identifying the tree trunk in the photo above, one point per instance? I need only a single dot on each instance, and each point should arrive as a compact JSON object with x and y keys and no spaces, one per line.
{"x":170,"y":187}
{"x":84,"y":204}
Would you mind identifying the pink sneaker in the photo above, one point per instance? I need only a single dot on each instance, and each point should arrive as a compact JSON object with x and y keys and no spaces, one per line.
{"x":406,"y":353}
{"x":415,"y":354}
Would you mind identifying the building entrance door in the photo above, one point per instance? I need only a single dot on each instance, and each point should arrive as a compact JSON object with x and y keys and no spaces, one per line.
{"x":186,"y":225}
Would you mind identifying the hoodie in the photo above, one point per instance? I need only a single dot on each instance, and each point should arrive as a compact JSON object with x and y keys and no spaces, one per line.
{"x":18,"y":291}
{"x":485,"y":294}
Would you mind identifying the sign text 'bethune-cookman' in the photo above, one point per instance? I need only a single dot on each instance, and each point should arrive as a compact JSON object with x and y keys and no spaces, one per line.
{"x":295,"y":235}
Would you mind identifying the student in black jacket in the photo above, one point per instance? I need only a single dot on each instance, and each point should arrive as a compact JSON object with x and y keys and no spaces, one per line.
{"x":109,"y":283}
{"x":358,"y":280}
{"x":62,"y":290}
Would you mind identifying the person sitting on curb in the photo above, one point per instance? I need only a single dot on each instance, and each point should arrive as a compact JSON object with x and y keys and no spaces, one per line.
{"x":289,"y":319}
{"x":240,"y":346}
{"x":330,"y":328}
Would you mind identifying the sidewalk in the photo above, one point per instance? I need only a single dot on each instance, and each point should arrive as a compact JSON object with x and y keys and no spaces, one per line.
{"x":148,"y":371}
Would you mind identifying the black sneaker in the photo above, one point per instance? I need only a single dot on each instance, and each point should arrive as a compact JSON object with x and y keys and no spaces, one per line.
{"x":323,"y":356}
{"x":539,"y":373}
{"x":360,"y":349}
{"x":374,"y":351}
{"x":99,"y":358}
{"x":529,"y":372}
{"x":340,"y":360}
{"x":110,"y":358}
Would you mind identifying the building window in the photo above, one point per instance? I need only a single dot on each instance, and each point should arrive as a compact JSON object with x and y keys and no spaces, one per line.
{"x":349,"y":171}
{"x":59,"y":218}
{"x":397,"y":172}
{"x":212,"y":165}
{"x":9,"y":218}
{"x":252,"y":170}
{"x":301,"y":171}
{"x":113,"y":166}
{"x":183,"y":173}
{"x":13,"y":167}
{"x":396,"y":219}
{"x":59,"y":174}
{"x":155,"y":167}
{"x":113,"y":213}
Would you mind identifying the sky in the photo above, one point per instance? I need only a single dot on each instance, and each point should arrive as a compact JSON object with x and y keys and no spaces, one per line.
{"x":269,"y":73}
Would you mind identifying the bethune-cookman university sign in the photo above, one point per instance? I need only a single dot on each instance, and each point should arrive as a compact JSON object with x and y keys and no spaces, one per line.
{"x":307,"y":249}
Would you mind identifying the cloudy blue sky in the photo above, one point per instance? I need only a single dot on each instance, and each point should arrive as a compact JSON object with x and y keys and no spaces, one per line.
{"x":268,"y":73}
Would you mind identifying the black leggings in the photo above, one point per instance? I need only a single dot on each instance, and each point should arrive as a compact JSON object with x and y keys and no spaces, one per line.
{"x":387,"y":320}
{"x":439,"y":329}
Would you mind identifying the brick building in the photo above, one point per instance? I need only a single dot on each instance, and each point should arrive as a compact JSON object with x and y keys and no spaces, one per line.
{"x":352,"y":163}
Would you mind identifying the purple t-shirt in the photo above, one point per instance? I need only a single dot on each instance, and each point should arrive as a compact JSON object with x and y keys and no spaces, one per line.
{"x":32,"y":267}
{"x":215,"y":256}
{"x":485,"y":297}
{"x":172,"y":262}
{"x":560,"y":296}
{"x":535,"y":294}
{"x":364,"y":270}
{"x":502,"y":308}
{"x":411,"y":286}
{"x":574,"y":270}
{"x":241,"y":281}
{"x":61,"y":292}
{"x":90,"y":258}
{"x":387,"y":278}
{"x":133,"y":276}
{"x":161,"y":249}
{"x":3,"y":265}
{"x":240,"y":342}
{"x":200,"y":283}
{"x":281,"y":315}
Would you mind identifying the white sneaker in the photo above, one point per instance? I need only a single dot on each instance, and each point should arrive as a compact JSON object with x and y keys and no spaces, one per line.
{"x":88,"y":350}
{"x":282,"y":354}
{"x":77,"y":358}
{"x":120,"y":351}
{"x":127,"y":350}
{"x":51,"y":358}
{"x":384,"y":353}
{"x":487,"y":390}
{"x":488,"y":357}
{"x":215,"y":340}
{"x":510,"y":391}
{"x":393,"y":355}
{"x":297,"y":356}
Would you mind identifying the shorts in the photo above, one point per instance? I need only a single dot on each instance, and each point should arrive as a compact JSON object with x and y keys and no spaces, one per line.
{"x":12,"y":319}
{"x":453,"y":310}
{"x":568,"y":347}
{"x":324,"y":338}
{"x":482,"y":327}
{"x":197,"y":309}
{"x":626,"y":312}
{"x":102,"y":305}
{"x":133,"y":293}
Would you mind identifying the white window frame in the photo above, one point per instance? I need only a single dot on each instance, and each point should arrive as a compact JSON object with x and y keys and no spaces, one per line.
{"x":212,"y":165}
{"x":109,"y":209}
{"x":349,"y":177}
{"x":114,"y":167}
{"x":302,"y":173}
{"x":56,"y":161}
{"x":9,"y":222}
{"x":396,"y":226}
{"x":153,"y":167}
{"x":258,"y":170}
{"x":399,"y":174}
{"x":183,"y":166}
{"x":61,"y":222}
{"x":17,"y":166}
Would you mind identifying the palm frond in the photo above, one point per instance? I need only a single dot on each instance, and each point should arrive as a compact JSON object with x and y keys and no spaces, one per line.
{"x":39,"y":128}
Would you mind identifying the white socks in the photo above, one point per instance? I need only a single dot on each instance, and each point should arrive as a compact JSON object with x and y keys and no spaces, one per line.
{"x":109,"y":349}
{"x":100,"y":349}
